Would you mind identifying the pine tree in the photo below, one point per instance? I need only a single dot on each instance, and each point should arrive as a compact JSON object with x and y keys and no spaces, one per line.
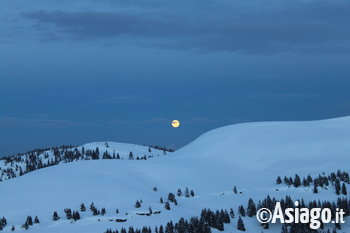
{"x":171,"y":197}
{"x":278,"y":180}
{"x":179,"y":193}
{"x":192,"y":193}
{"x":55,"y":216}
{"x":220,"y":225}
{"x":167,"y":205}
{"x":82,"y":207}
{"x":68,"y":213}
{"x":232,"y":213}
{"x":337,"y":186}
{"x":92,"y":206}
{"x":169,"y":228}
{"x":343,"y":189}
{"x":251,"y":209}
{"x":315,"y":190}
{"x":241,"y":211}
{"x":76,"y":215}
{"x":161,"y":229}
{"x":296,"y":181}
{"x":137,"y":204}
{"x":95,"y":212}
{"x":240,"y":224}
{"x":29,"y":221}
{"x":187,"y":193}
{"x":3,"y":223}
{"x":235,"y":189}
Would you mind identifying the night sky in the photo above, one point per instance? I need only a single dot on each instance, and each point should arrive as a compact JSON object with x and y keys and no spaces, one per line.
{"x":74,"y":71}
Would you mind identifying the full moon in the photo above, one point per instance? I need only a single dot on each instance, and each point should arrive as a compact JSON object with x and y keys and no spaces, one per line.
{"x":175,"y":123}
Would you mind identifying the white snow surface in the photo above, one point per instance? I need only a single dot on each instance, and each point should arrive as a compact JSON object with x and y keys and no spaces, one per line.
{"x":249,"y":155}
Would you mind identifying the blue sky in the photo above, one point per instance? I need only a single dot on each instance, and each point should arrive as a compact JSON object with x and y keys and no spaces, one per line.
{"x":77,"y":71}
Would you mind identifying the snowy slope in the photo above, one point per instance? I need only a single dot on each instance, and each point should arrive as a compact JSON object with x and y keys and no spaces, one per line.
{"x":249,"y":156}
{"x":123,"y":149}
{"x":14,"y":166}
{"x":275,"y":147}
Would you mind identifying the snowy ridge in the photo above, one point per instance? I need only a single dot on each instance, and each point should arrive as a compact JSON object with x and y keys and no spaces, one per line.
{"x":18,"y":165}
{"x":320,"y":145}
{"x":249,"y":156}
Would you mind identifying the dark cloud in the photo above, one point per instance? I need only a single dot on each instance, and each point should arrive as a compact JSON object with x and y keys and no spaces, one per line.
{"x":122,"y":70}
{"x":277,"y":26}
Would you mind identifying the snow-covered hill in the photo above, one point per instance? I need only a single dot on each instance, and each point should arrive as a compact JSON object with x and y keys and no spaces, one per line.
{"x":20,"y":164}
{"x":249,"y":156}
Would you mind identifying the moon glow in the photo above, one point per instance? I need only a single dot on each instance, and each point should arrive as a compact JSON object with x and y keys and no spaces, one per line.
{"x":175,"y":123}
